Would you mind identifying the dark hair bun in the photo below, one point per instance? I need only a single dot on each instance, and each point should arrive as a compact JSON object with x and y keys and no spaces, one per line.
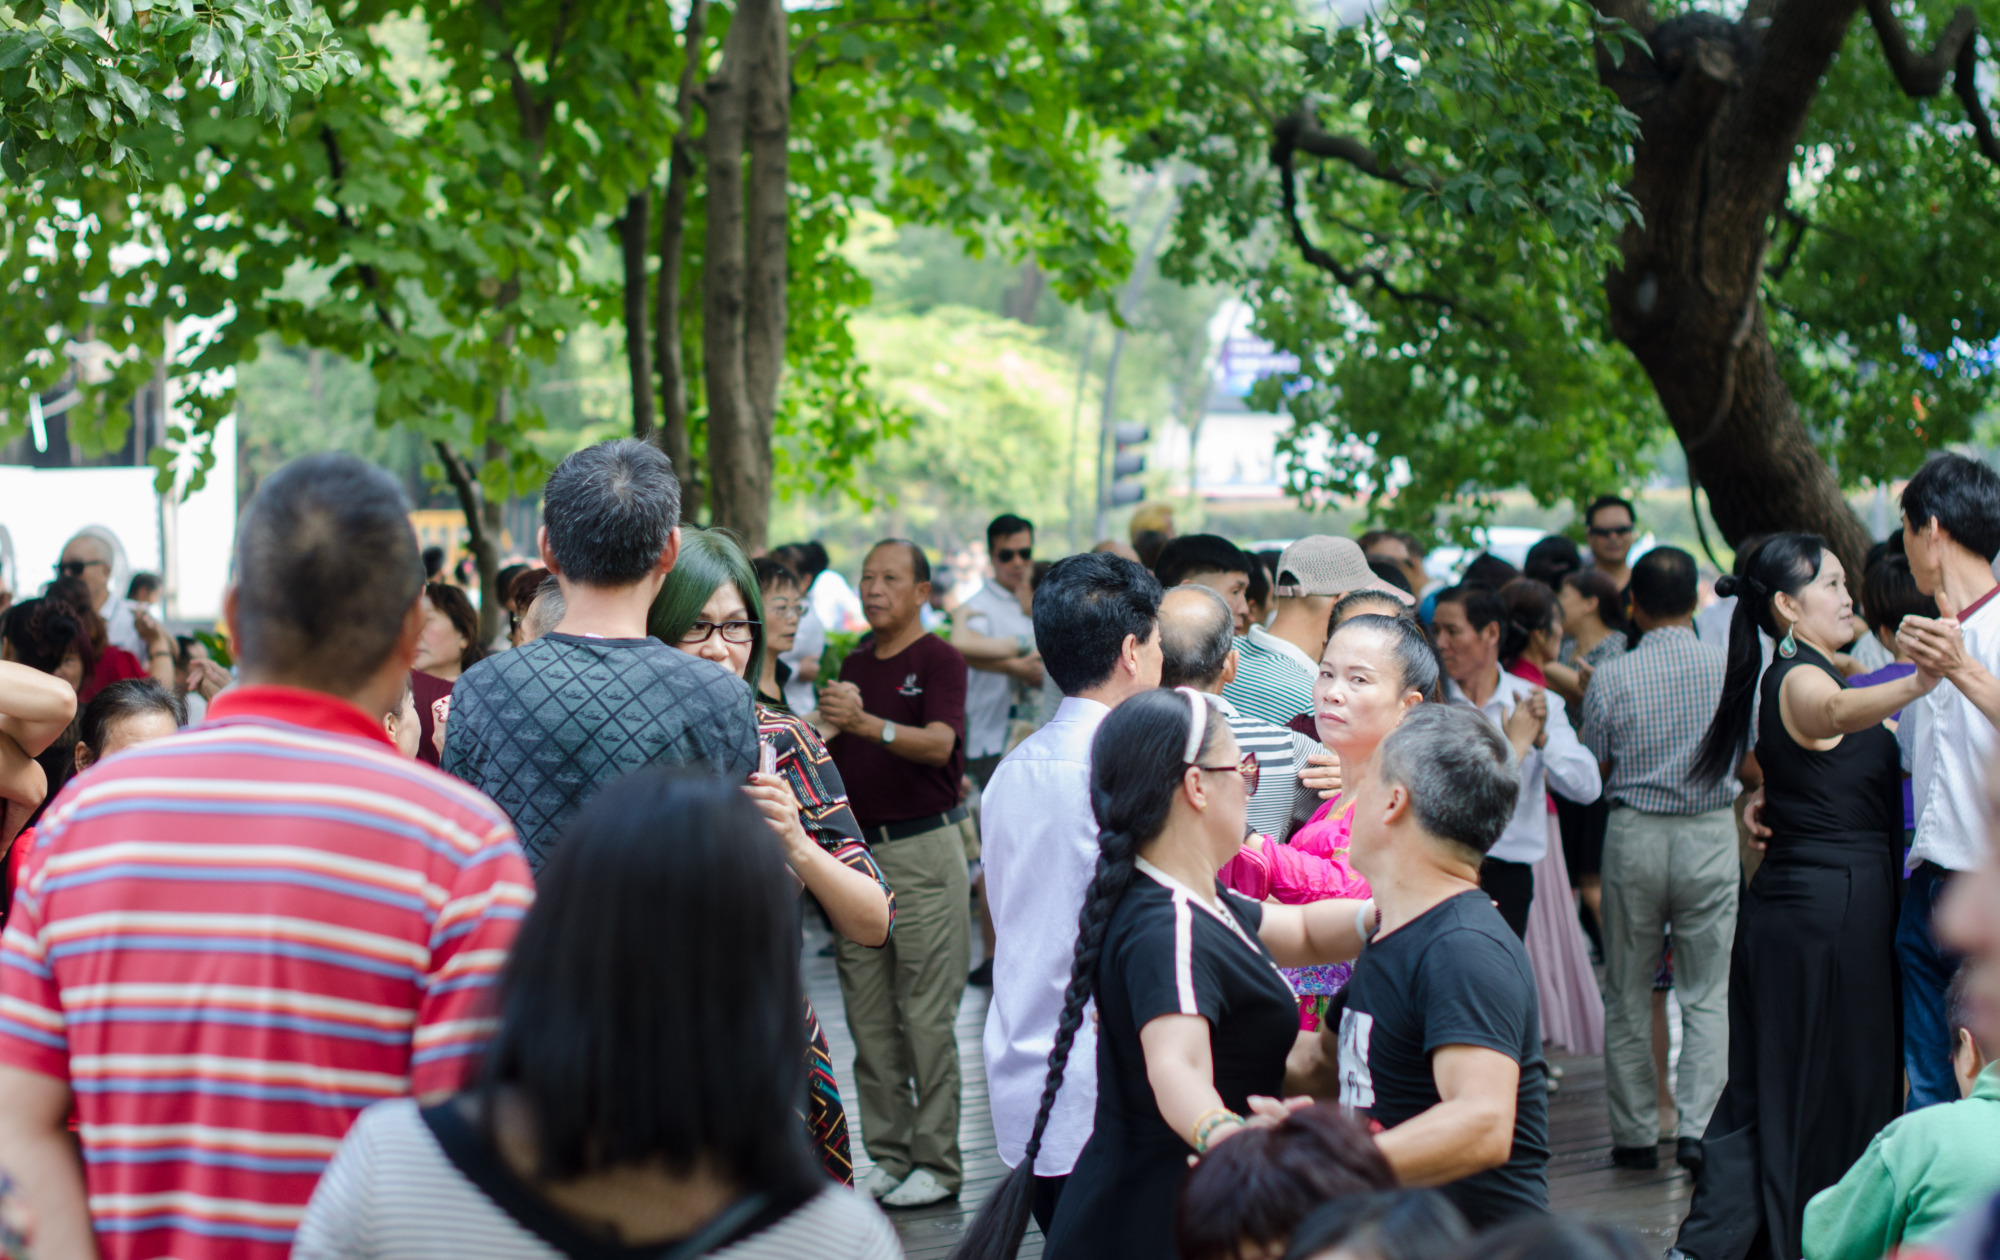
{"x":1727,"y":585}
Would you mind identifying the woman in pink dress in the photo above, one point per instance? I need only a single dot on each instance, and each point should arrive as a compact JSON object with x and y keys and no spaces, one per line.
{"x":1373,"y":670}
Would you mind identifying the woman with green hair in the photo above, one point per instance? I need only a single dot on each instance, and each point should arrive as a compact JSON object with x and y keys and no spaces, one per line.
{"x":710,"y":607}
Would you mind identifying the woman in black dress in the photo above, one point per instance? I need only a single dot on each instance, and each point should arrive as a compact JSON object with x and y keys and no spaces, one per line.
{"x":1814,"y":1040}
{"x":1194,"y":1021}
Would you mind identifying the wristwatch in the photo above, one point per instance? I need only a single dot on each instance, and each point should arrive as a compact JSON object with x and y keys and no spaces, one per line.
{"x":888,"y":732}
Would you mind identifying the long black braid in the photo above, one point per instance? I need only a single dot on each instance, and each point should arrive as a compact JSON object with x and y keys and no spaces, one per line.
{"x":1136,"y":766}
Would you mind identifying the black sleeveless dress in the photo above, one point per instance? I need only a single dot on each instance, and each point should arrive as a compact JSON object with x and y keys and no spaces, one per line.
{"x":1814,"y":1018}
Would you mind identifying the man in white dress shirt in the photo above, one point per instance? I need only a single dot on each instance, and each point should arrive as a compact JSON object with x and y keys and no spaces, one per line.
{"x":1097,"y":625}
{"x":1467,"y":624}
{"x":95,"y":556}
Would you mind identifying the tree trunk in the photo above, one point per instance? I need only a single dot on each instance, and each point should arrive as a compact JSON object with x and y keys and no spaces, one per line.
{"x":672,"y":433}
{"x":482,"y":528}
{"x":1721,"y":105}
{"x":633,"y":238}
{"x":732,"y":446}
{"x":764,"y":311}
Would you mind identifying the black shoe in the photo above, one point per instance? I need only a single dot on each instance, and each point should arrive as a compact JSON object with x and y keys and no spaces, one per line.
{"x":1644,"y":1158}
{"x":982,"y":975}
{"x":1687,"y":1153}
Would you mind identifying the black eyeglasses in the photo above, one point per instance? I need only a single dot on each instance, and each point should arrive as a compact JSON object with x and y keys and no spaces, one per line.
{"x":1609,"y":531}
{"x":75,"y":568}
{"x":1252,"y":772}
{"x":732,"y":632}
{"x":1007,"y":555}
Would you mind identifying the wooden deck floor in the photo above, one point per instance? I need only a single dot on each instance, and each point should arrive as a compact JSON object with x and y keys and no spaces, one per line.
{"x":1582,"y":1181}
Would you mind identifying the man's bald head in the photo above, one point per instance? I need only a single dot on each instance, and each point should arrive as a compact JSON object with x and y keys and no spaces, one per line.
{"x":1197,"y":633}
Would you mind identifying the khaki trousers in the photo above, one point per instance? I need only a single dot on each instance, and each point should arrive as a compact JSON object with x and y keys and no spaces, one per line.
{"x":902,"y":1003}
{"x":1659,"y":869}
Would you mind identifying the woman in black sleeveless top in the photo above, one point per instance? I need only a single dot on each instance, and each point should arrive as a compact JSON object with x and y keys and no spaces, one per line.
{"x":1814,"y":1031}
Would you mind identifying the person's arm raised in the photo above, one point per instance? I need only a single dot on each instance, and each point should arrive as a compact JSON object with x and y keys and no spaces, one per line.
{"x":1317,"y":934}
{"x":1938,"y":647}
{"x":1469,"y":1130}
{"x":1814,"y":706}
{"x":35,"y":707}
{"x":927,"y":745}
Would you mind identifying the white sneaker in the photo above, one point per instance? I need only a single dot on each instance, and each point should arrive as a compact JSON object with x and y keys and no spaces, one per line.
{"x":877,"y":1183}
{"x":919,"y":1190}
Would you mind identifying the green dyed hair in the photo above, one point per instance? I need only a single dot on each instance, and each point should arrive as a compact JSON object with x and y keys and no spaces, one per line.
{"x":709,"y":557}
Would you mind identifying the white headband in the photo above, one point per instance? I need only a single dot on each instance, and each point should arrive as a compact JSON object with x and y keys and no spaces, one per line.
{"x":1197,"y":724}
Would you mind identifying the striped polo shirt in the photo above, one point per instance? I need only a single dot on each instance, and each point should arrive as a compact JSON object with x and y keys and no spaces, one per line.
{"x":230,"y":941}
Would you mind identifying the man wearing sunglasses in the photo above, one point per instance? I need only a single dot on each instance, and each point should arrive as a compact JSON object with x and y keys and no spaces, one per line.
{"x":1609,"y":520}
{"x":92,"y":555}
{"x":1000,"y":650}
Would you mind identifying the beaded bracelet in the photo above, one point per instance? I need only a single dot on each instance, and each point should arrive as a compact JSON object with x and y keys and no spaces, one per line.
{"x":1205,"y":1124}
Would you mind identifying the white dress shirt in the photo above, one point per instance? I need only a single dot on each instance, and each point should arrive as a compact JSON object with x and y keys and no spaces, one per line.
{"x":839,"y":608}
{"x":989,"y":697}
{"x":807,"y":644}
{"x":119,"y":627}
{"x":1561,"y":761}
{"x":1950,"y":742}
{"x":1038,"y":844}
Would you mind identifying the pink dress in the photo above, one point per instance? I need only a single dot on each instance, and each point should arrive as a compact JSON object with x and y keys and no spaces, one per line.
{"x":1313,"y":867}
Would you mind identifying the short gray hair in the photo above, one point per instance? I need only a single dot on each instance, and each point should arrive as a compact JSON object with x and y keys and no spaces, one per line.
{"x":1460,"y":773}
{"x":545,"y":610}
{"x":1195,"y":643}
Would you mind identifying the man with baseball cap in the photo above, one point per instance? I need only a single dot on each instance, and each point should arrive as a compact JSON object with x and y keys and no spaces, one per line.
{"x":1276,"y":667}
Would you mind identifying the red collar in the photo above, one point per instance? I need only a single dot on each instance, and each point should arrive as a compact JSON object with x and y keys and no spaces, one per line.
{"x":1977,"y":604}
{"x":298,"y":707}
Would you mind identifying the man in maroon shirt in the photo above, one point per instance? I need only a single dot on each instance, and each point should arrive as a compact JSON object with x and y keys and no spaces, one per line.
{"x":900,"y":710}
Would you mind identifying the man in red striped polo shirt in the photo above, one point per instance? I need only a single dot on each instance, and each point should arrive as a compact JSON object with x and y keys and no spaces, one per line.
{"x":228,"y":942}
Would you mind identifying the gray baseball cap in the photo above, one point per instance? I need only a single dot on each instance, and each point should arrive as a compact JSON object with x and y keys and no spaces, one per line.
{"x":1324,"y":565}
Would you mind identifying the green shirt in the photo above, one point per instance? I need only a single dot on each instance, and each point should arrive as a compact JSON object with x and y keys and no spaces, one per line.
{"x":1915,"y":1176}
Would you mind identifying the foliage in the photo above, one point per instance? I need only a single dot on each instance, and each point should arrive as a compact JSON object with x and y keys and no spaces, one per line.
{"x":1887,"y":311}
{"x":990,"y":407}
{"x":1455,"y":341}
{"x":100,"y":82}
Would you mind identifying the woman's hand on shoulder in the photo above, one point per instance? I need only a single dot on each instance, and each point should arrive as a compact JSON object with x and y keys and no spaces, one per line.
{"x":1321,"y":773}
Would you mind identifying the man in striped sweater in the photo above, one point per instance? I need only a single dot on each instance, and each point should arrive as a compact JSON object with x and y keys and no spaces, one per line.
{"x":228,"y":942}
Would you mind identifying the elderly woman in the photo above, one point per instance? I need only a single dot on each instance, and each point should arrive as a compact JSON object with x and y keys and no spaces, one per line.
{"x":710,"y":607}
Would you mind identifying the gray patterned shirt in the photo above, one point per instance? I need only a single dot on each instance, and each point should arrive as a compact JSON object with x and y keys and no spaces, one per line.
{"x":1646,"y":711}
{"x":541,"y":728}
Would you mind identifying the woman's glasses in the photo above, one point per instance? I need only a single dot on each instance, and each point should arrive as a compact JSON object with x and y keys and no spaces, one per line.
{"x":732,"y":632}
{"x":1252,"y":772}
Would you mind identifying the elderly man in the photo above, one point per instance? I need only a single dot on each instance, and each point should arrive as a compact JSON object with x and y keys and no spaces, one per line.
{"x":95,"y":556}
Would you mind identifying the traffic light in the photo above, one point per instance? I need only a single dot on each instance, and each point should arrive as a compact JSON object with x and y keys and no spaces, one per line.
{"x":1126,"y":464}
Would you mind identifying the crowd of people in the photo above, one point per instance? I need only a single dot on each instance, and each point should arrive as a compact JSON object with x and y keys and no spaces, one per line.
{"x":1286,"y":870}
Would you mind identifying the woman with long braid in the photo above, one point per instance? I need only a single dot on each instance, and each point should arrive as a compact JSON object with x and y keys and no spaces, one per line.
{"x":1194,"y":1021}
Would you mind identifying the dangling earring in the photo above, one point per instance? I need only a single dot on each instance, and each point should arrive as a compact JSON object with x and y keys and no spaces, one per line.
{"x":1788,"y":647}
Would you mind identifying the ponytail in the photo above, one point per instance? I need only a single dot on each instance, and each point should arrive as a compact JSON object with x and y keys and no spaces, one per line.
{"x":1782,"y":563}
{"x":1136,"y":767}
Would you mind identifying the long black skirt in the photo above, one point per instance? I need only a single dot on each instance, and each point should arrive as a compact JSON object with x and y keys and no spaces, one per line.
{"x":1815,"y":1043}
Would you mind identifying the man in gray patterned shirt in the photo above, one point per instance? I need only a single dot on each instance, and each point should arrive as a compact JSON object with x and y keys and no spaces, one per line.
{"x":541,"y":728}
{"x":1669,"y":858}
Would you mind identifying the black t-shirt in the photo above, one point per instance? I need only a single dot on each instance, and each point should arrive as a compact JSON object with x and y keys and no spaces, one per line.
{"x":1455,"y":976}
{"x":1166,"y":952}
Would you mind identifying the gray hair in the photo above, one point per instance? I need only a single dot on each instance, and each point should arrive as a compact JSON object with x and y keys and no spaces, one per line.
{"x":1460,"y":773}
{"x":545,"y":611}
{"x":1194,"y":640}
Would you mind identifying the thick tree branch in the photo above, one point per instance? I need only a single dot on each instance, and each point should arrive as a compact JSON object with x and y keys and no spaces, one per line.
{"x":336,"y":170}
{"x":1299,"y":132}
{"x":1745,"y":322}
{"x":1957,"y":50}
{"x":672,"y":434}
{"x":1284,"y":157}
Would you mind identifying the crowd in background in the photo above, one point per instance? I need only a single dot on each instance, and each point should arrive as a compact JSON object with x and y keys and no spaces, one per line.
{"x":1286,"y":871}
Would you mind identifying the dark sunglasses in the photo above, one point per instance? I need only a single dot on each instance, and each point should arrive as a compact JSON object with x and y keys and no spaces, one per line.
{"x":1007,"y":555}
{"x":1252,"y":772}
{"x":1609,"y":531}
{"x":75,"y":568}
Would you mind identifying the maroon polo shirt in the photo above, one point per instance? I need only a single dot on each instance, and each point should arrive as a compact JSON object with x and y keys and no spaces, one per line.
{"x":923,"y":683}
